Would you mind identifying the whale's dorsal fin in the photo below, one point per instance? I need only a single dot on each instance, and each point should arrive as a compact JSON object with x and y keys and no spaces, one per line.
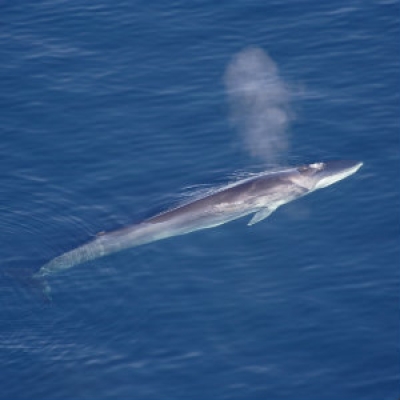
{"x":260,"y":215}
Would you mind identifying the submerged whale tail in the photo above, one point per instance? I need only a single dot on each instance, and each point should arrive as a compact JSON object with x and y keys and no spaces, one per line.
{"x":41,"y":287}
{"x":35,"y":284}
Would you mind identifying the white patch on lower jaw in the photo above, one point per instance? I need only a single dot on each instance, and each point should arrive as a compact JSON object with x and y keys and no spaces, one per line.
{"x":329,"y":180}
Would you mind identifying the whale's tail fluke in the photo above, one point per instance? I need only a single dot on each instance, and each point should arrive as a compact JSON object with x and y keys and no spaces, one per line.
{"x":41,"y":287}
{"x":30,"y":281}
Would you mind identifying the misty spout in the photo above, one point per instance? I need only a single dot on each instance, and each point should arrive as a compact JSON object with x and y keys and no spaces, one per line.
{"x":259,"y":104}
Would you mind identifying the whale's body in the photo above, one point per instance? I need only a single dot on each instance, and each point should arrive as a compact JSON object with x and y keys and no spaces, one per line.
{"x":260,"y":195}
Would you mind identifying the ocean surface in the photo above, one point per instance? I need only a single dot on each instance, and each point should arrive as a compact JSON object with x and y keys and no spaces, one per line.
{"x":113,"y":111}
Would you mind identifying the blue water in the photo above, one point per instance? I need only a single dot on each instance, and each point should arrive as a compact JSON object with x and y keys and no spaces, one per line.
{"x":108,"y":111}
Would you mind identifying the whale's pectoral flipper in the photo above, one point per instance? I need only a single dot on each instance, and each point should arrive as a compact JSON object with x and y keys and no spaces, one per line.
{"x":260,"y":215}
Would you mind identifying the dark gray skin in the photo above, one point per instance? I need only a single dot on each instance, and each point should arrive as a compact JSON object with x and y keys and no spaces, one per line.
{"x":260,"y":195}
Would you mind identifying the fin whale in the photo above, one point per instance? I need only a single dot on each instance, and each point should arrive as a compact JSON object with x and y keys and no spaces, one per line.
{"x":259,"y":196}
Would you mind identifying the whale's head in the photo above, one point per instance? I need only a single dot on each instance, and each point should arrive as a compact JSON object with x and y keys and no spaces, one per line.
{"x":322,"y":174}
